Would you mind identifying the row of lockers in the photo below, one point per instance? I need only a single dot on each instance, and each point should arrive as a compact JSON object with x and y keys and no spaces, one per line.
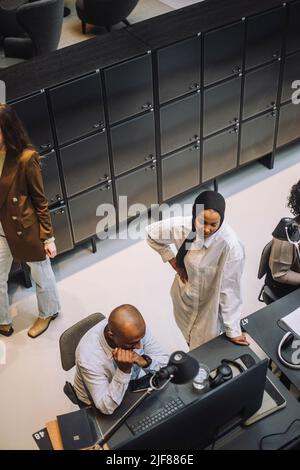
{"x":133,"y":141}
{"x":179,"y":173}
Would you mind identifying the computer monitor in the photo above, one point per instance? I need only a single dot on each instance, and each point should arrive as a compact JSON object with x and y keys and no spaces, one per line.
{"x":199,"y":423}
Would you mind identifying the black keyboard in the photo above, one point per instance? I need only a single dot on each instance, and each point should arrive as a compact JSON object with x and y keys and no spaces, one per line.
{"x":148,"y":422}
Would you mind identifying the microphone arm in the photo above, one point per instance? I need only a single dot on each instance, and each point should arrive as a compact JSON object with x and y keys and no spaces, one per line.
{"x":132,"y":408}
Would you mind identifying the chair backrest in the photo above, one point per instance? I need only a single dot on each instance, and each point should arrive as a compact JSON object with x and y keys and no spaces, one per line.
{"x":108,"y":12}
{"x":42,"y":20}
{"x":69,"y":340}
{"x":264,"y":260}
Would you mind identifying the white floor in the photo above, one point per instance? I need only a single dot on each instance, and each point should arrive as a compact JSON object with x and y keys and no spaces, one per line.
{"x":180,"y":3}
{"x":31,"y":381}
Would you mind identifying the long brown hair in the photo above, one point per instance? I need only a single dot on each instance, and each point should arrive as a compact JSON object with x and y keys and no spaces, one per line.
{"x":14,"y":135}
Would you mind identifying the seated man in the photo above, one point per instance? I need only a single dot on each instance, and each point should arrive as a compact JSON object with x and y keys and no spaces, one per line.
{"x":111,"y":354}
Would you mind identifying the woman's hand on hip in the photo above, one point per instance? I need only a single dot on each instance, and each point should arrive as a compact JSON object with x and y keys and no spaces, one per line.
{"x":240,"y":340}
{"x":50,"y":249}
{"x":180,"y":271}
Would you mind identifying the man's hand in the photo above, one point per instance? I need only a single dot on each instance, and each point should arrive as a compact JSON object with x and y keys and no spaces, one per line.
{"x":124,"y":358}
{"x":139,"y":360}
{"x":240,"y":340}
{"x":50,"y":249}
{"x":180,"y":271}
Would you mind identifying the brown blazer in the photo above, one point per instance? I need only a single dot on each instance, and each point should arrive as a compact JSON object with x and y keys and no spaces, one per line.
{"x":24,"y":210}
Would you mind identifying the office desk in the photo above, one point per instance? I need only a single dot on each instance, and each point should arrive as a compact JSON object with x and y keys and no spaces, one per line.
{"x":241,"y":438}
{"x":262,"y":327}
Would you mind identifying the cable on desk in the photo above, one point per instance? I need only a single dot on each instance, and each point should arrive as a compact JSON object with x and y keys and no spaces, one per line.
{"x":278,"y":434}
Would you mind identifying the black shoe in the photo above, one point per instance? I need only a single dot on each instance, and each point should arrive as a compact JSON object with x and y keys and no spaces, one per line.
{"x":7,"y":333}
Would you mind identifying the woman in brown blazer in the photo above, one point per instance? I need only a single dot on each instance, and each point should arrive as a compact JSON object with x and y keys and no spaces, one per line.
{"x":26,"y":233}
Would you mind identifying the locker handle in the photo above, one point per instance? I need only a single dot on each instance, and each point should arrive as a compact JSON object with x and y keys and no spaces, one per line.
{"x":236,"y":69}
{"x":98,"y":125}
{"x":195,"y":137}
{"x":150,"y":157}
{"x":194,"y":86}
{"x":104,"y":178}
{"x":46,"y":146}
{"x":146,"y":106}
{"x":150,"y":168}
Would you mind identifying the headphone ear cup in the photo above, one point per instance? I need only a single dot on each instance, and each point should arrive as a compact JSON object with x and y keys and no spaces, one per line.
{"x":224,"y":373}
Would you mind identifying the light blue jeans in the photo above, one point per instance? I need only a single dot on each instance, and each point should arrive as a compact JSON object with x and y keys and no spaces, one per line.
{"x":42,"y":275}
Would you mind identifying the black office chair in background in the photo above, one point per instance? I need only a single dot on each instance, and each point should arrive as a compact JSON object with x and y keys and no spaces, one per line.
{"x":41,"y":21}
{"x":104,"y":12}
{"x":68,"y":343}
{"x":9,"y":25}
{"x":266,"y":294}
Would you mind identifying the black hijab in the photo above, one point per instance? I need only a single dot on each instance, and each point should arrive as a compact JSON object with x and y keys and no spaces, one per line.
{"x":209,"y":200}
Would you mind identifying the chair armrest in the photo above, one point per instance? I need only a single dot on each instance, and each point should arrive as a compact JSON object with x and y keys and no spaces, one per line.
{"x":18,"y":47}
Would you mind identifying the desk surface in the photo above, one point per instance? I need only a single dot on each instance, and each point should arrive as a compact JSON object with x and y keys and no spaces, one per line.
{"x":242,"y":438}
{"x":262,"y":327}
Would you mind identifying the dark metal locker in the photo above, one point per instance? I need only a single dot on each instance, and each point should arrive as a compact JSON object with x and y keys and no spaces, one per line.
{"x":62,"y":229}
{"x":90,"y":209}
{"x":180,"y":123}
{"x":33,"y":112}
{"x":85,"y":163}
{"x":180,"y":171}
{"x":222,"y":106}
{"x":257,"y":137}
{"x":140,"y":187}
{"x":260,"y":92}
{"x":51,"y":178}
{"x":220,"y":154}
{"x":77,"y":108}
{"x":133,"y":143}
{"x":223,"y":52}
{"x":293,"y":29}
{"x":291,"y":74}
{"x":179,"y":68}
{"x":129,"y":88}
{"x":264,"y":37}
{"x":289,"y":124}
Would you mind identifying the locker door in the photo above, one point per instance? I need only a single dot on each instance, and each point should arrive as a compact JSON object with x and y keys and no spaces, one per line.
{"x":62,"y":229}
{"x":261,"y":88}
{"x":179,"y":69}
{"x":264,"y":37}
{"x":84,"y":211}
{"x":33,"y":112}
{"x":291,"y":74}
{"x":222,"y":106}
{"x":133,"y":143}
{"x":77,"y":108}
{"x":51,"y":178}
{"x":220,"y":154}
{"x":223,"y":52}
{"x":293,"y":36}
{"x":180,"y":171}
{"x":129,"y":88}
{"x":180,"y":123}
{"x":85,"y":163}
{"x":140,"y":187}
{"x":289,"y":128}
{"x":257,"y":137}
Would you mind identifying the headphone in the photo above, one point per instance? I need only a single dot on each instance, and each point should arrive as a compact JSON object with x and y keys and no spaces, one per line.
{"x":286,"y":341}
{"x":224,"y":372}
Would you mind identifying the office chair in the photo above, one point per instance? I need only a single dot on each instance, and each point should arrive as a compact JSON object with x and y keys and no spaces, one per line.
{"x":41,"y":20}
{"x":266,"y":294}
{"x":104,"y":12}
{"x":9,"y":25}
{"x":68,"y":343}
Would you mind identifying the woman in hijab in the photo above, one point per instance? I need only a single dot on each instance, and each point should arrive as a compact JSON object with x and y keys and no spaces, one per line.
{"x":206,"y":291}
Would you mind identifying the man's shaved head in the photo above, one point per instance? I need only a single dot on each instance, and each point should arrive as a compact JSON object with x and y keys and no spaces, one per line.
{"x":126,"y":325}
